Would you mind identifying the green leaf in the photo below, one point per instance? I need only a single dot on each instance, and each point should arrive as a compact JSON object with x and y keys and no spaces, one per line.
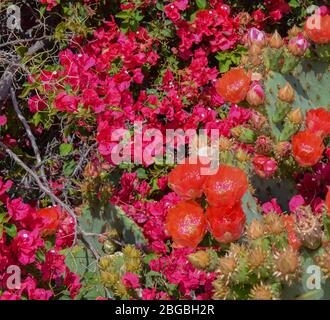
{"x":65,"y":149}
{"x":124,"y":14}
{"x":201,"y":4}
{"x":69,"y":167}
{"x":11,"y":230}
{"x":294,"y":4}
{"x":141,"y":173}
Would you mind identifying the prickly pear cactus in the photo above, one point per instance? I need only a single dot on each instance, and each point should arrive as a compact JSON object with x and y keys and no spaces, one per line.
{"x":310,"y":81}
{"x":111,"y":219}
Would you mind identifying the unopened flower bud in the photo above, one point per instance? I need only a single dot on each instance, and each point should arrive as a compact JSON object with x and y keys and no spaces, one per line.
{"x":308,"y":228}
{"x":286,"y":265}
{"x":91,"y":170}
{"x":204,"y":260}
{"x":258,"y":121}
{"x":264,"y":166}
{"x":263,"y":292}
{"x":242,"y":156}
{"x":255,"y":230}
{"x":255,"y":36}
{"x":276,"y":41}
{"x":294,"y":31}
{"x":256,"y":95}
{"x":282,"y":149}
{"x":255,"y":50}
{"x":298,"y":45}
{"x":104,"y":262}
{"x":243,"y":134}
{"x":286,"y":94}
{"x":264,"y":145}
{"x":296,"y":116}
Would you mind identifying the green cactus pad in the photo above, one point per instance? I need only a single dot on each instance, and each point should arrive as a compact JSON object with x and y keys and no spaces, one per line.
{"x":311,"y":83}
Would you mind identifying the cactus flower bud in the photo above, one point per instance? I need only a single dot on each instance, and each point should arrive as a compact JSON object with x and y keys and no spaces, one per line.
{"x":286,"y":94}
{"x":255,"y":50}
{"x":258,"y":121}
{"x":264,"y":167}
{"x":264,"y":145}
{"x":276,"y":41}
{"x":243,"y":134}
{"x":296,"y":116}
{"x":256,"y":95}
{"x":104,"y":262}
{"x":286,"y":264}
{"x":308,"y":228}
{"x":204,"y":260}
{"x":294,"y":31}
{"x":255,"y":230}
{"x":274,"y":224}
{"x":298,"y":45}
{"x":282,"y":149}
{"x":242,"y":156}
{"x":255,"y":36}
{"x":263,"y":292}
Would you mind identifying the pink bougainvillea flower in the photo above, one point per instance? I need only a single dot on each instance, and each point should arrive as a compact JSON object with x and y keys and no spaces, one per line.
{"x":296,"y":202}
{"x":36,"y":103}
{"x":271,"y":206}
{"x":65,"y":102}
{"x":3,"y":120}
{"x":131,"y":280}
{"x":25,"y":245}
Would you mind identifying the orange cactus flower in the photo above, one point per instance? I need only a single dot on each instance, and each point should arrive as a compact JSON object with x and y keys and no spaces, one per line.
{"x":307,"y":148}
{"x":234,"y":85}
{"x":226,"y":187}
{"x":186,"y":224}
{"x":226,"y":224}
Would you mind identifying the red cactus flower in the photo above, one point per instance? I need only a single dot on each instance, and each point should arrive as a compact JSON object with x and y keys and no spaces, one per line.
{"x":307,"y":148}
{"x":317,"y":28}
{"x":51,"y":219}
{"x":187,"y":180}
{"x":294,"y":241}
{"x":226,"y":187}
{"x":226,"y":224}
{"x":318,"y":121}
{"x":186,"y":224}
{"x":234,"y":85}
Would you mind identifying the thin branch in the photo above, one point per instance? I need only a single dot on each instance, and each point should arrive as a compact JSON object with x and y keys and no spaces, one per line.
{"x":20,"y":41}
{"x":29,"y":133}
{"x":42,"y":187}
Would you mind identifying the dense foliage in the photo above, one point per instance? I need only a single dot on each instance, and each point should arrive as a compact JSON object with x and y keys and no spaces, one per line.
{"x":90,"y":211}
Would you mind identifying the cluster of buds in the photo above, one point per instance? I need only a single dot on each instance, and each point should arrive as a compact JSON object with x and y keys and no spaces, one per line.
{"x":113,"y":267}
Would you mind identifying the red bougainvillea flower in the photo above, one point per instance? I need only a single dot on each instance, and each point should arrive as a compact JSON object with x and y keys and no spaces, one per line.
{"x":187,"y":180}
{"x":264,"y":166}
{"x":317,"y":28}
{"x":186,"y":224}
{"x":307,"y":148}
{"x":318,"y":121}
{"x":226,"y":224}
{"x":289,"y":223}
{"x":234,"y":85}
{"x":51,"y":220}
{"x":226,"y":187}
